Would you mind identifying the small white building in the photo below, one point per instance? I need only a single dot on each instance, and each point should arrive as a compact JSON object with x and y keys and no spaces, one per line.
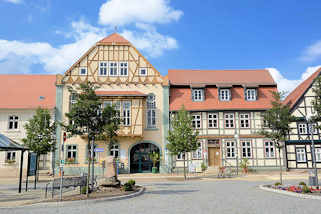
{"x":20,"y":97}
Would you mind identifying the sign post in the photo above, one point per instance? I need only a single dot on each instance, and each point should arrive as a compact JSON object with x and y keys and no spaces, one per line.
{"x":62,"y":163}
{"x":32,"y":168}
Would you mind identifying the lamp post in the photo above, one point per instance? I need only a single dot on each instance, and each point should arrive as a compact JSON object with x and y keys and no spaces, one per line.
{"x":236,"y":136}
{"x":313,"y":178}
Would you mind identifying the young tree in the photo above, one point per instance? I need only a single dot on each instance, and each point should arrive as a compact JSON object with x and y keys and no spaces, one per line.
{"x":278,"y":119}
{"x":40,"y":131}
{"x":87,"y":118}
{"x":182,"y":137}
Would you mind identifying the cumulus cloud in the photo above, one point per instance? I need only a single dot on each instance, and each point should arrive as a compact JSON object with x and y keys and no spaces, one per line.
{"x":312,"y":52}
{"x":287,"y":85}
{"x":13,"y":1}
{"x":123,"y":12}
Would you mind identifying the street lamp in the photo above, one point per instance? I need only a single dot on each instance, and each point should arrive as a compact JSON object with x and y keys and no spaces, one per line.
{"x":313,"y":178}
{"x":236,"y":136}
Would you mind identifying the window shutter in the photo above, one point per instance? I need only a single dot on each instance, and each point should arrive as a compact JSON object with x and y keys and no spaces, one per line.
{"x":245,"y":90}
{"x":230,"y":93}
{"x":256,"y":94}
{"x":203,"y":94}
{"x":192,"y":94}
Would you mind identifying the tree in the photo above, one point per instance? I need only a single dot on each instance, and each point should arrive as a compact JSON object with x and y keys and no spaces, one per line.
{"x":40,"y":131}
{"x":86,"y":118}
{"x":182,"y":137}
{"x":316,"y":103}
{"x":278,"y":119}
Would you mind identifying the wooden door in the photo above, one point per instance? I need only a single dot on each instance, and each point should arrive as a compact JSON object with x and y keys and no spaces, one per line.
{"x":214,"y":156}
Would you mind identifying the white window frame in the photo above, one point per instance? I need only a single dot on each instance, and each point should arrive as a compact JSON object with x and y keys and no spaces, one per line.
{"x":113,"y":69}
{"x":269,"y":149}
{"x":123,"y":69}
{"x":103,"y":68}
{"x":13,"y":122}
{"x":73,"y":151}
{"x":245,"y":121}
{"x":140,"y":72}
{"x":212,"y":120}
{"x":151,"y":112}
{"x":198,"y":94}
{"x":303,"y":128}
{"x":180,"y":156}
{"x":246,"y":148}
{"x":126,"y":113}
{"x":250,"y":94}
{"x":229,"y":122}
{"x":198,"y":153}
{"x":196,"y":121}
{"x":225,"y":94}
{"x":11,"y":156}
{"x":114,"y":151}
{"x":300,"y":155}
{"x":107,"y":103}
{"x":81,"y":69}
{"x":230,"y":149}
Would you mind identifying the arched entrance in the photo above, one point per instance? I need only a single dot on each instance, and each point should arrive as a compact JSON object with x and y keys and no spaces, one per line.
{"x":139,"y":157}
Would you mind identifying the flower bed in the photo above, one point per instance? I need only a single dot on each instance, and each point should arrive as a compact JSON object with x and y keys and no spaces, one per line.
{"x":303,"y":189}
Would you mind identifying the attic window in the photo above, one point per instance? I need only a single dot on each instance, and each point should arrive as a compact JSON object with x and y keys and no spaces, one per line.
{"x":83,"y":71}
{"x":225,"y":94}
{"x":250,"y":94}
{"x":198,"y":95}
{"x":143,"y":72}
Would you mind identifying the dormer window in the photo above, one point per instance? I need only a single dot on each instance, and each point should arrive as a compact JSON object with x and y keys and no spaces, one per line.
{"x":198,"y":95}
{"x":225,"y":94}
{"x":250,"y":94}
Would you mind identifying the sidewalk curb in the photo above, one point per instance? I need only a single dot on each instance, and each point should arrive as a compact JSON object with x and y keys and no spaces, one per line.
{"x":293,"y":194}
{"x":97,"y":200}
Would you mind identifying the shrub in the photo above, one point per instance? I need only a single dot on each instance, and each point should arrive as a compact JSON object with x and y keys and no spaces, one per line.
{"x":306,"y":189}
{"x":203,"y":166}
{"x":277,"y":184}
{"x":302,"y":183}
{"x":128,"y":187}
{"x":131,"y":182}
{"x":83,"y":190}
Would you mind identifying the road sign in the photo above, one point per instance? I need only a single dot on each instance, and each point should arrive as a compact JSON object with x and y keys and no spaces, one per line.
{"x":32,"y":164}
{"x":62,"y":163}
{"x":99,"y":150}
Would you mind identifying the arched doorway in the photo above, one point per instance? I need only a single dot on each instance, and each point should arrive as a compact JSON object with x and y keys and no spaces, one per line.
{"x":139,"y":157}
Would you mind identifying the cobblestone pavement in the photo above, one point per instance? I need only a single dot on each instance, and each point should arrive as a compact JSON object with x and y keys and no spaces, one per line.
{"x":197,"y":196}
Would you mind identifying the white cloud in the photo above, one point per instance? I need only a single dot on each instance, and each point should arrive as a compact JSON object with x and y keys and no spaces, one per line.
{"x":312,"y":52}
{"x":14,"y":1}
{"x":123,"y":12}
{"x":286,"y":85}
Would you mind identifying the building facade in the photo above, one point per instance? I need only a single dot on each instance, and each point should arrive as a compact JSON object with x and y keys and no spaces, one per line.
{"x":227,"y":109}
{"x":21,"y":95}
{"x":298,"y":146}
{"x":140,"y":93}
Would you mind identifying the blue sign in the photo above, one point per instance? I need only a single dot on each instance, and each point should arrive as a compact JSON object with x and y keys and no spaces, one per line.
{"x":99,"y":150}
{"x":32,"y":164}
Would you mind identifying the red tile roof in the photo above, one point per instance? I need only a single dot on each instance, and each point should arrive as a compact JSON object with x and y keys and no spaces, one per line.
{"x":300,"y":90}
{"x":180,"y":96}
{"x":120,"y":93}
{"x":27,"y":91}
{"x":114,"y":38}
{"x":216,"y":77}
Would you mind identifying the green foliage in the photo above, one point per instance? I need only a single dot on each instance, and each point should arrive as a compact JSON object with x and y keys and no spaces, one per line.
{"x":128,"y":187}
{"x":40,"y":132}
{"x":316,"y":103}
{"x":244,"y":163}
{"x":302,"y":183}
{"x":306,"y":189}
{"x":83,"y":190}
{"x":182,"y":137}
{"x":277,"y":184}
{"x":203,"y":166}
{"x":131,"y":182}
{"x":154,"y":156}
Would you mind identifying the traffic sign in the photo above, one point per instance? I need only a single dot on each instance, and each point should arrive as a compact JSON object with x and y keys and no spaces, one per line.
{"x":99,"y":150}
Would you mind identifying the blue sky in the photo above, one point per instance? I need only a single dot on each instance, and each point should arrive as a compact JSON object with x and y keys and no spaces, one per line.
{"x":47,"y":36}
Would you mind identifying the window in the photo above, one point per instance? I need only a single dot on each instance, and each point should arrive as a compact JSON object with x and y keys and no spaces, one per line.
{"x":151,"y":111}
{"x":107,"y":103}
{"x":265,"y":124}
{"x":269,"y":149}
{"x":318,"y":154}
{"x":103,"y":68}
{"x":180,"y":156}
{"x":196,"y":121}
{"x":300,"y":155}
{"x":117,"y":108}
{"x":71,"y":153}
{"x":224,"y":94}
{"x":314,"y":129}
{"x":13,"y":122}
{"x":10,"y":157}
{"x":114,"y":150}
{"x":246,"y":149}
{"x":126,"y":113}
{"x":229,"y":120}
{"x":198,"y":153}
{"x":303,"y":129}
{"x":250,"y":94}
{"x":197,"y":95}
{"x":230,"y":149}
{"x":212,"y":120}
{"x":142,"y":71}
{"x":123,"y":68}
{"x":113,"y":69}
{"x":245,"y":120}
{"x":83,"y":71}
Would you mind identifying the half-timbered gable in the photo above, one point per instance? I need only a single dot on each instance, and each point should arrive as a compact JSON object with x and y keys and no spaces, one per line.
{"x":298,"y":146}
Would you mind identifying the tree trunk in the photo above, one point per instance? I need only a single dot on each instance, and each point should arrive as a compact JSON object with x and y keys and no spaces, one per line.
{"x":37,"y":172}
{"x":88,"y":174}
{"x":184,"y":166}
{"x":280,"y":165}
